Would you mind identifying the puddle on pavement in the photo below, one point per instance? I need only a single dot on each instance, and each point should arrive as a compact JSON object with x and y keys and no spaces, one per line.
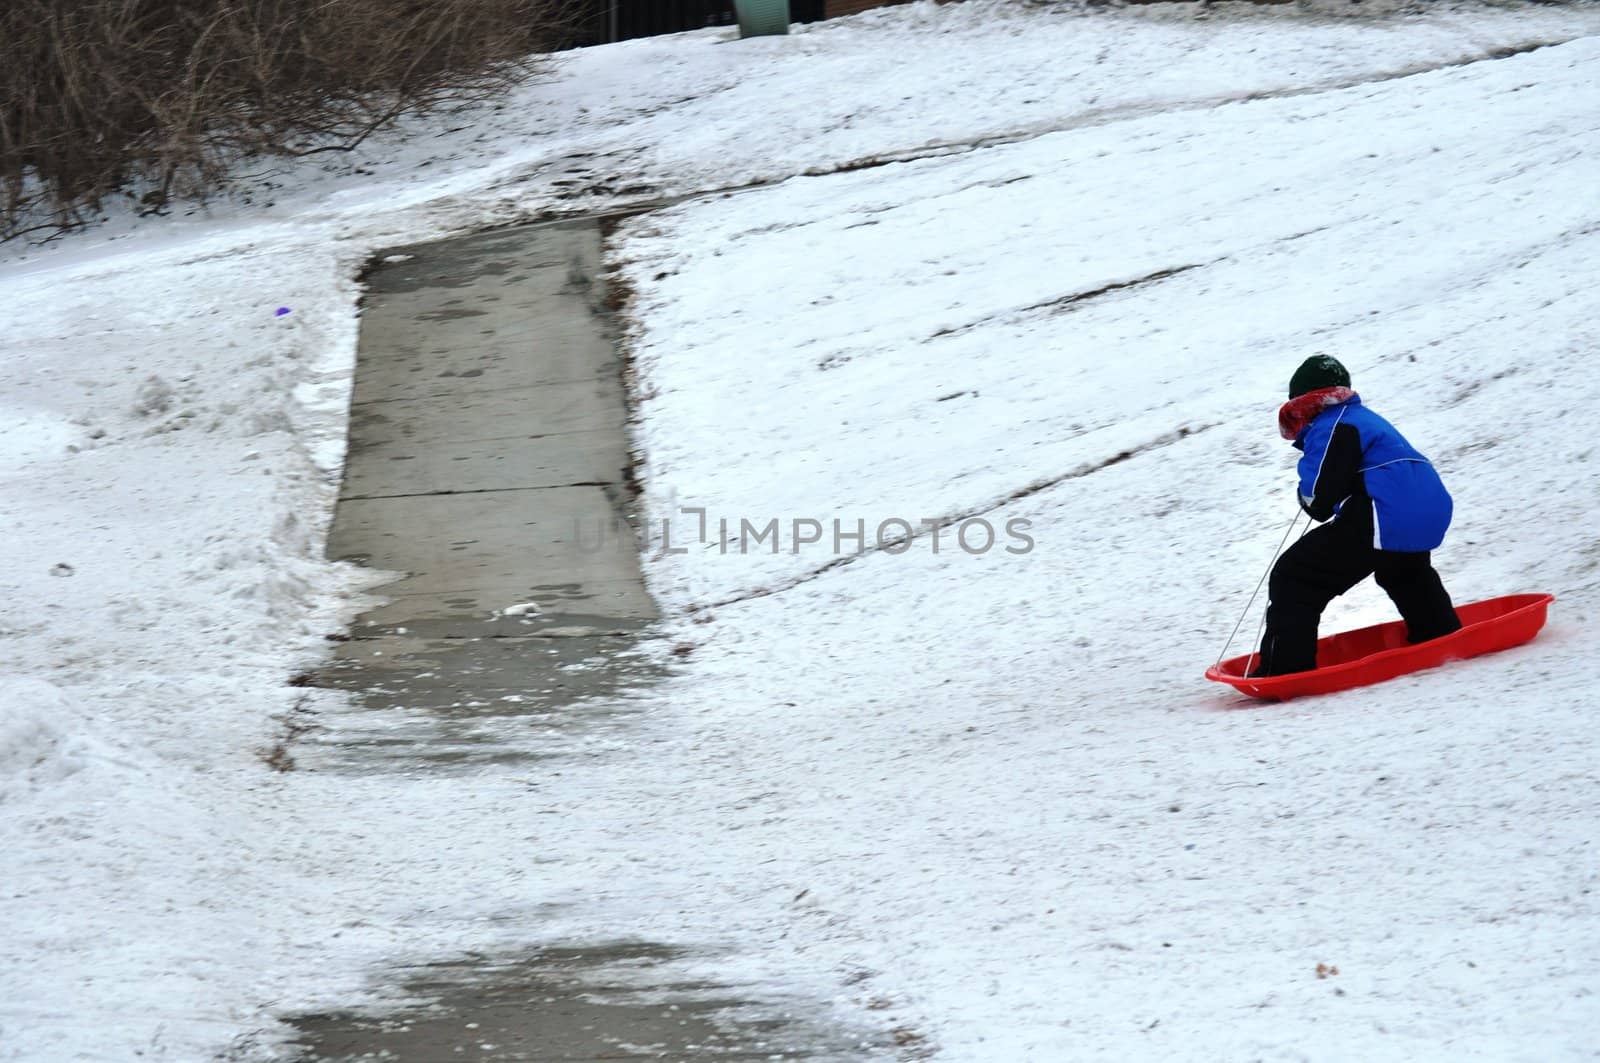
{"x":460,"y":702}
{"x":618,"y":1001}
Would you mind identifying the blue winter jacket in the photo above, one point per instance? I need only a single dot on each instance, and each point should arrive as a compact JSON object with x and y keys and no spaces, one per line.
{"x":1352,"y":453}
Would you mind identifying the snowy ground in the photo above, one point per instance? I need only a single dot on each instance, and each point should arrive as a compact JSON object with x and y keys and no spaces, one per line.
{"x":984,"y":798}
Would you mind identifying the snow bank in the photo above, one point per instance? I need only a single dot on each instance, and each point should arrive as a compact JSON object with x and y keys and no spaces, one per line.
{"x":26,"y":436}
{"x":42,"y":739}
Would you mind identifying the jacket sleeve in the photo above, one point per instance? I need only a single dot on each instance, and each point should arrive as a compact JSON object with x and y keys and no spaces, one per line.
{"x":1330,"y":468}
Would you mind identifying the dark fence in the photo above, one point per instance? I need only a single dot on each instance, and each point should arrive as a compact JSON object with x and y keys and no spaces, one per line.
{"x":620,"y":20}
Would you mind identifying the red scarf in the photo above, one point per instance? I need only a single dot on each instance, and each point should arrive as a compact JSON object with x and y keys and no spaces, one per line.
{"x":1294,"y":415}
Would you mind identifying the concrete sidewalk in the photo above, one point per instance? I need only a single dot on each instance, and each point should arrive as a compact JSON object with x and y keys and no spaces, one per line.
{"x":488,"y":455}
{"x":489,"y":397}
{"x":486,"y":461}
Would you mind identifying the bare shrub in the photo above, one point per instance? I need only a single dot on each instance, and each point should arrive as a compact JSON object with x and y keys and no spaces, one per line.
{"x":98,"y":96}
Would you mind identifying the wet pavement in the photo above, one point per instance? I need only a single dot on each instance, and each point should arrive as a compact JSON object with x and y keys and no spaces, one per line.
{"x":486,"y":466}
{"x":603,"y":1003}
{"x":487,"y":469}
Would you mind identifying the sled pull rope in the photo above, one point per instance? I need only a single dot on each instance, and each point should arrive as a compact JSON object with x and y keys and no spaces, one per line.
{"x":1251,"y":663}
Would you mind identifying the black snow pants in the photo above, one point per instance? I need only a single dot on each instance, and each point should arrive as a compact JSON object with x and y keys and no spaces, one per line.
{"x":1326,"y":562}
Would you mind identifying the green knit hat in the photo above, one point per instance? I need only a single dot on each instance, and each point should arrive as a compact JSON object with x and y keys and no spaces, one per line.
{"x":1318,"y":371}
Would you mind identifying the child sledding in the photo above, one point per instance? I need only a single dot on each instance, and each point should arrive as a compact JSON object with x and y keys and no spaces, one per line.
{"x":1385,"y":510}
{"x":1382,"y":509}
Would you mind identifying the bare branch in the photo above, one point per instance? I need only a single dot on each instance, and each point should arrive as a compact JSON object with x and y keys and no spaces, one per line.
{"x":102,"y":96}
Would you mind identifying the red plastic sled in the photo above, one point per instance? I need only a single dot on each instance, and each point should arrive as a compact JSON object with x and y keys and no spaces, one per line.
{"x":1373,"y":654}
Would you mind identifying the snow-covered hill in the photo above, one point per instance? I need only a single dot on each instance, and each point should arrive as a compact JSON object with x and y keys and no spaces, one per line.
{"x":1050,"y":267}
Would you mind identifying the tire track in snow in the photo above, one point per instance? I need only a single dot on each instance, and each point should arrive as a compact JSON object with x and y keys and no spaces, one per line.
{"x":942,"y":523}
{"x":1134,"y":111}
{"x":617,"y":206}
{"x":1071,"y":300}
